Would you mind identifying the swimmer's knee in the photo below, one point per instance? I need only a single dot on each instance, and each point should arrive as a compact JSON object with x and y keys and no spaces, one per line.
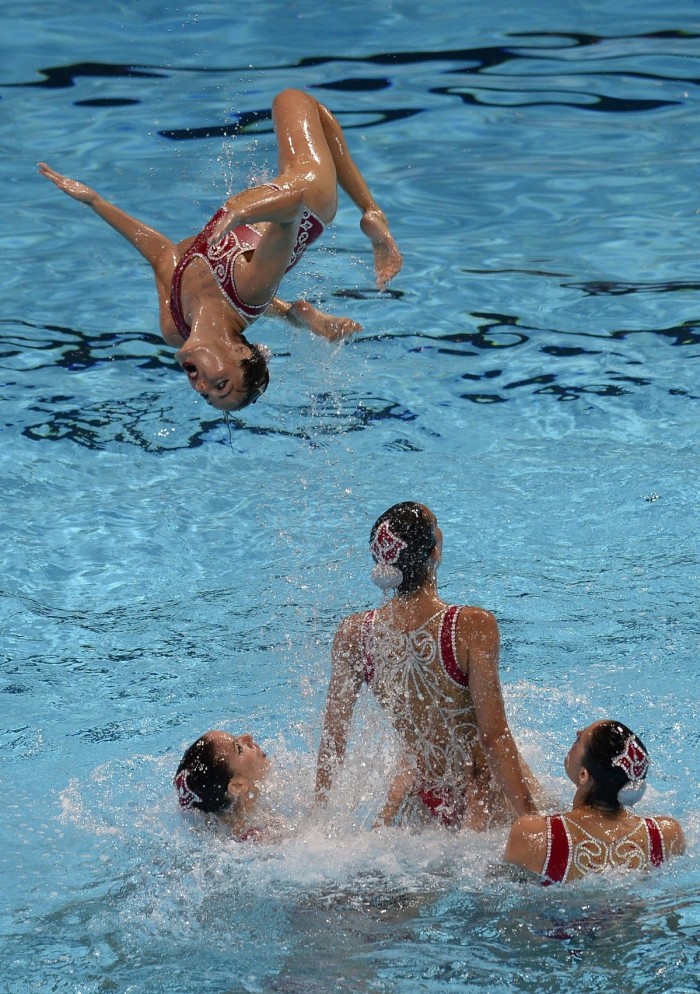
{"x":290,"y":93}
{"x":291,"y":99}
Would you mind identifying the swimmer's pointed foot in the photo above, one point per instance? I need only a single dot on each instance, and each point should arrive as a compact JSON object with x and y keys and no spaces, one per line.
{"x":387,"y":258}
{"x":327,"y":326}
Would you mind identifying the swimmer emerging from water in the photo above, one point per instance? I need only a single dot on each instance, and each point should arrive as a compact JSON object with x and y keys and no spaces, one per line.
{"x":221,"y":774}
{"x":608,"y":764}
{"x":434,"y":669}
{"x":212,"y":286}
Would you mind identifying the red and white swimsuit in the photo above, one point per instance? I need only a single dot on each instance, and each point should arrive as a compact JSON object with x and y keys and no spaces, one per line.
{"x":398,"y":665}
{"x":447,"y":646}
{"x":571,"y":847}
{"x":221,"y":257}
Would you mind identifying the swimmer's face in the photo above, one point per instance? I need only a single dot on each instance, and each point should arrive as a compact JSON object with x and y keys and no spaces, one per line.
{"x":247,"y":763}
{"x":218,"y":378}
{"x":573,"y":764}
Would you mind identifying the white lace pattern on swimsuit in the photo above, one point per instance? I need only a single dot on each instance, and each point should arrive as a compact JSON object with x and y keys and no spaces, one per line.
{"x":435,"y":713}
{"x":592,"y":855}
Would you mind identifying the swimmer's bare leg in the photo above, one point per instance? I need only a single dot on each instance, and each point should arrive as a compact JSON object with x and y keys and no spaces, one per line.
{"x":313,"y":159}
{"x":387,"y":258}
{"x":306,"y":171}
{"x":306,"y":180}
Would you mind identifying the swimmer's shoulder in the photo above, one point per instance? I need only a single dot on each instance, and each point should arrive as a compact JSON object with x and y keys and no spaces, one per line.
{"x":472,"y":619}
{"x":476,"y":628}
{"x":672,"y":833}
{"x":527,"y":842}
{"x":351,"y":625}
{"x":347,"y":643}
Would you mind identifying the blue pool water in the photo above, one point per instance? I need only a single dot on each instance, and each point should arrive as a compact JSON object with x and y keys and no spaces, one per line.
{"x":532,"y":376}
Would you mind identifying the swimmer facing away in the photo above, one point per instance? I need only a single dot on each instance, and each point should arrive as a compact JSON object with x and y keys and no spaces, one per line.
{"x":608,"y":764}
{"x":433,"y":668}
{"x":212,"y":286}
{"x":222,"y":774}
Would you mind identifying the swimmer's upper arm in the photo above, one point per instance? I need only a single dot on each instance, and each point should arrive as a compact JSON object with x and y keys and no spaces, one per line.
{"x":527,"y":844}
{"x":478,"y":641}
{"x":479,"y":650}
{"x":343,"y":691}
{"x":674,"y":839}
{"x":168,"y":328}
{"x":346,"y":671}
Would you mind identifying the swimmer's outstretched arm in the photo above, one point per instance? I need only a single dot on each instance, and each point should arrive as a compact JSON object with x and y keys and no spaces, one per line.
{"x":153,"y":246}
{"x":302,"y":314}
{"x":343,"y":691}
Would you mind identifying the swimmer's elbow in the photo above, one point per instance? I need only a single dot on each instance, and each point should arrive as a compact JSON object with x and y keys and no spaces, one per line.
{"x":497,"y":739}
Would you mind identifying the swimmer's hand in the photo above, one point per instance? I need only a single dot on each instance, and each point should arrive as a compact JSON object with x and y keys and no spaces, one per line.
{"x":387,"y":258}
{"x":74,"y":189}
{"x":328,"y":326}
{"x":399,"y":790}
{"x":223,"y":225}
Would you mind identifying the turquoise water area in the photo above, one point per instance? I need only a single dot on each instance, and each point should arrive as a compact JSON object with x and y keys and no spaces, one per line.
{"x":532,"y":375}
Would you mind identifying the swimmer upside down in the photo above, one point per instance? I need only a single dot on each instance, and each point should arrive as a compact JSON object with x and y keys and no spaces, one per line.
{"x":212,"y":286}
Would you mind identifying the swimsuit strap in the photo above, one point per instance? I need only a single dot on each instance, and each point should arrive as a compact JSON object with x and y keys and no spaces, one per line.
{"x":176,"y":298}
{"x":448,"y":647}
{"x":558,"y":858}
{"x":656,"y":842}
{"x":220,"y":259}
{"x":366,"y":645}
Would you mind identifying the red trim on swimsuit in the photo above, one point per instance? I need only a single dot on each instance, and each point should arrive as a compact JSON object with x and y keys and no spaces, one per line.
{"x":558,"y":851}
{"x":656,"y":842}
{"x":447,"y":641}
{"x":221,"y":258}
{"x":448,"y":647}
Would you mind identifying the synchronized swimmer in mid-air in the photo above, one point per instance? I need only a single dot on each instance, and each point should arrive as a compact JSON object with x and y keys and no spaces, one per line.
{"x":212,"y":286}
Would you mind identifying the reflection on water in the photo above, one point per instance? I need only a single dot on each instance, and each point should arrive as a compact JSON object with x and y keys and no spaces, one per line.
{"x":148,"y":420}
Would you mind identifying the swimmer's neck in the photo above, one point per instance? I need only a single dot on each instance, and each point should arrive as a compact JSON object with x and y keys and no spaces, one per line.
{"x":584,"y":808}
{"x":426,"y":592}
{"x":213,"y":322}
{"x":417,"y":606}
{"x":243,"y":815}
